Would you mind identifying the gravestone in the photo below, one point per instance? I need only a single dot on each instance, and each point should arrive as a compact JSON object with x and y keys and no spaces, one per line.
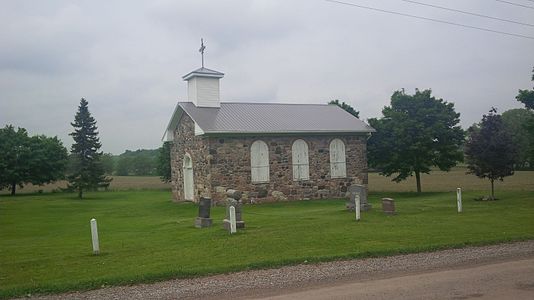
{"x":233,"y":227}
{"x":204,"y":207}
{"x":362,"y":191}
{"x":238,"y":214}
{"x":388,"y":206}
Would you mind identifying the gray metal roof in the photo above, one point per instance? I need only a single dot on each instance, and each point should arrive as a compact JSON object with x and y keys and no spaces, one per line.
{"x":265,"y":118}
{"x":203,"y":72}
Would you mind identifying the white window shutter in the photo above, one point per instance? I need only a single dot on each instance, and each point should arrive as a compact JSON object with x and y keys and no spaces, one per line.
{"x":259,"y":162}
{"x":338,"y":166}
{"x":301,"y":168}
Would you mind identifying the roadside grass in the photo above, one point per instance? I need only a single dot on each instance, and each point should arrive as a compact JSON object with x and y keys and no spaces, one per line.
{"x":45,"y":244}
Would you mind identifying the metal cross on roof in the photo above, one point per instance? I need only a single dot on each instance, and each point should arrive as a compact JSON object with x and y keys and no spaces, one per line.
{"x":201,"y":50}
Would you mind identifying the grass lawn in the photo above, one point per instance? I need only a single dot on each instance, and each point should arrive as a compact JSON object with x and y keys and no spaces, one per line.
{"x":45,"y":243}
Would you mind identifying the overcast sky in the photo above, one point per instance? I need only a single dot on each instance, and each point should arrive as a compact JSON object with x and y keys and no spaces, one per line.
{"x":127,"y":58}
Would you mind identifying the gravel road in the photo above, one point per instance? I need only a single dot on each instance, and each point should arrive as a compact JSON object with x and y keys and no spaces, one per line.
{"x":248,"y":284}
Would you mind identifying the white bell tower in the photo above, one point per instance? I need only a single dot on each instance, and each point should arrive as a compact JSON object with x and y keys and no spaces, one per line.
{"x":203,"y":85}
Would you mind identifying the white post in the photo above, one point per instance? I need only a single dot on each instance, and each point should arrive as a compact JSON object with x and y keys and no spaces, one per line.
{"x":357,"y":206}
{"x":94,"y":235}
{"x":459,"y":199}
{"x":232,"y":220}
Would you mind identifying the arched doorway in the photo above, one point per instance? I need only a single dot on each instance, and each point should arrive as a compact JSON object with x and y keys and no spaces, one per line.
{"x":189,"y":186}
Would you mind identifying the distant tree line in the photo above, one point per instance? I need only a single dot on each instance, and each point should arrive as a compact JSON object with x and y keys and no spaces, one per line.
{"x":141,"y":162}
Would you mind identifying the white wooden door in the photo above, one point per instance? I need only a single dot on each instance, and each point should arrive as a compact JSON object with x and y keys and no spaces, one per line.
{"x":189,"y":185}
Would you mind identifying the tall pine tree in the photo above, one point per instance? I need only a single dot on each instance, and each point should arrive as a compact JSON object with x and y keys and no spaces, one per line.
{"x":87,"y":170}
{"x":490,"y":150}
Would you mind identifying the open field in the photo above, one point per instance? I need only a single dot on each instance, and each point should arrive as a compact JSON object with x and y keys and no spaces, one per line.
{"x":436,"y":181}
{"x":439,"y":181}
{"x":45,"y":241}
{"x":119,"y":183}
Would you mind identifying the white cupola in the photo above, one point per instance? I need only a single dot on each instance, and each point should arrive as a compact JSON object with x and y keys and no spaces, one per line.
{"x":203,"y":87}
{"x":203,"y":84}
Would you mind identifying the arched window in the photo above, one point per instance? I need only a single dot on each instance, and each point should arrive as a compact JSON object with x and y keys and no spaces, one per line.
{"x":259,"y":162}
{"x":301,"y":166}
{"x":338,"y":167}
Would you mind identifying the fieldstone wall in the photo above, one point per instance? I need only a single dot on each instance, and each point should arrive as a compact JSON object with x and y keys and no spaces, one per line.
{"x":185,"y":141}
{"x":230,"y":167}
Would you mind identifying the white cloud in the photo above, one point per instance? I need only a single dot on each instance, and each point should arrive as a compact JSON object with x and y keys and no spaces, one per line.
{"x":127,"y":58}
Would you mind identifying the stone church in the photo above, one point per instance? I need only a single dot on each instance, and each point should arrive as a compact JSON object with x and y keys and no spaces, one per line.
{"x":269,"y":151}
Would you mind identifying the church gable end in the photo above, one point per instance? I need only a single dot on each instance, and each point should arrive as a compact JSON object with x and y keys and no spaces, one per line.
{"x":187,"y":145}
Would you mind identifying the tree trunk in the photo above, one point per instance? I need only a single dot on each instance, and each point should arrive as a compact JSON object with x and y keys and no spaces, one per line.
{"x":492,"y":190}
{"x":13,"y":188}
{"x":418,"y":180}
{"x":80,"y":192}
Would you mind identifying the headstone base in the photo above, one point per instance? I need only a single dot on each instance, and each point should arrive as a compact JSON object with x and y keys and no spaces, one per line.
{"x":364,"y":206}
{"x":202,"y":222}
{"x":238,"y":224}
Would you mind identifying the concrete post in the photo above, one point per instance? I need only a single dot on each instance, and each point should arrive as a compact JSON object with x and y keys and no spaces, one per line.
{"x":94,"y":235}
{"x":232,"y":220}
{"x":459,"y":199}
{"x":357,"y":206}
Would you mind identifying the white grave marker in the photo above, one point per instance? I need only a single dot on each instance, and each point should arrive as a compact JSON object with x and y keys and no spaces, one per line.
{"x":459,"y":199}
{"x":357,"y":206}
{"x":94,"y":235}
{"x":232,"y":220}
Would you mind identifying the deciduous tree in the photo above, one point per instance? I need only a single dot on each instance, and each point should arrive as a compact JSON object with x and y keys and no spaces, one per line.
{"x":346,"y":107}
{"x":164,"y":162}
{"x":517,"y":122}
{"x":415,"y":133}
{"x":23,"y":159}
{"x":490,"y":151}
{"x":527,"y":96}
{"x":48,"y":159}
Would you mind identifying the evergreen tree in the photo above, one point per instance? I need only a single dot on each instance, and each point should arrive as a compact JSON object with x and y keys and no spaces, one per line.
{"x":87,"y":169}
{"x":490,"y":151}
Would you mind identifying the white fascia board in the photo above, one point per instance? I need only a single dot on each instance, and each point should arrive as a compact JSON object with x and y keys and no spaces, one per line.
{"x":193,"y":74}
{"x":175,"y":118}
{"x":198,"y":130}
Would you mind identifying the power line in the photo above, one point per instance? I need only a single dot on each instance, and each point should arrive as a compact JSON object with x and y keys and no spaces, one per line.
{"x":430,"y":19}
{"x":515,"y":4}
{"x":469,"y":13}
